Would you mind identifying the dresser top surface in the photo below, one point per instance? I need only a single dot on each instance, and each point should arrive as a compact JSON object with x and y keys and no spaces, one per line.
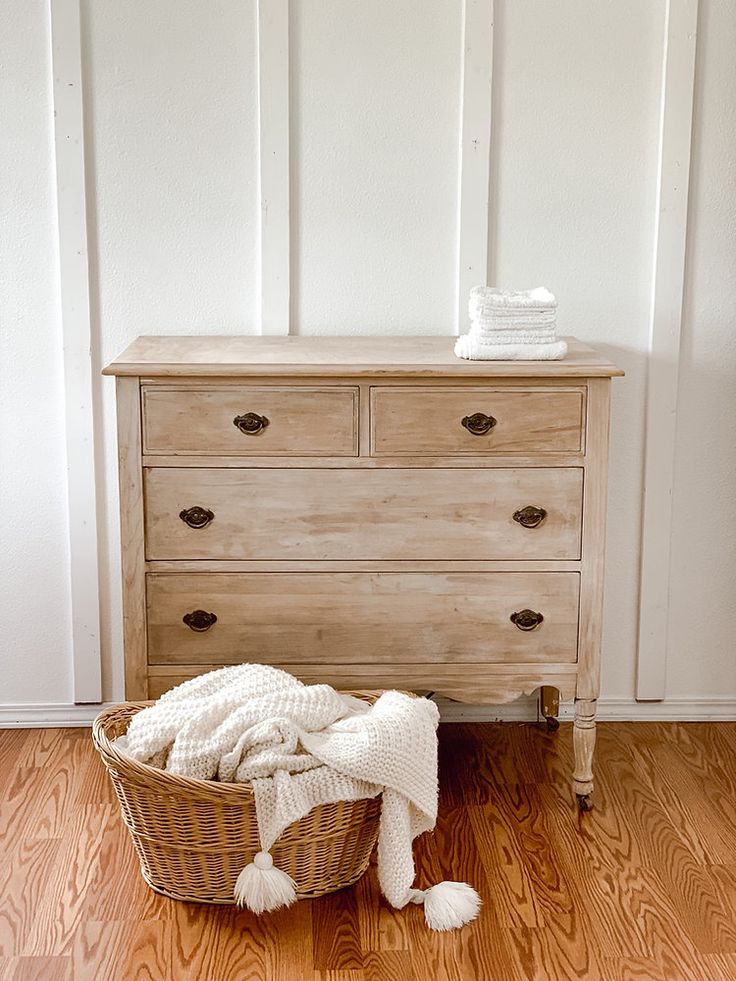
{"x":258,"y":356}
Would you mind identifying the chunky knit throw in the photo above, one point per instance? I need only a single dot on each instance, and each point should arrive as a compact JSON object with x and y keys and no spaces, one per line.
{"x":301,"y":746}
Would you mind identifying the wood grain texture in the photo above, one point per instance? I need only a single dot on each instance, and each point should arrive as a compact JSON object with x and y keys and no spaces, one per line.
{"x":493,"y":461}
{"x":308,"y":617}
{"x":375,"y":514}
{"x":375,"y":356}
{"x":486,"y":683}
{"x":595,"y":496}
{"x":305,"y":421}
{"x":130,"y":479}
{"x":428,"y":421}
{"x":632,"y":891}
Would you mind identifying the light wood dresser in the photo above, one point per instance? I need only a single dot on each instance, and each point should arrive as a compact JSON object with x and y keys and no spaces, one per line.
{"x":369,"y":512}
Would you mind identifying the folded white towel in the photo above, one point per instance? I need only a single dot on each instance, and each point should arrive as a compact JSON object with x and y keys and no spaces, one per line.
{"x":491,"y":298}
{"x":543,"y":336}
{"x":511,"y":316}
{"x":470,"y":346}
{"x":506,"y":310}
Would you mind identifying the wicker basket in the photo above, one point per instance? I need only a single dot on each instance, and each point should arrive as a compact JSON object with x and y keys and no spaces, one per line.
{"x":193,"y":837}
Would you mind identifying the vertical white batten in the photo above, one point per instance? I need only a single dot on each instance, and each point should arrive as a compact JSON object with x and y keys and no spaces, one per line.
{"x":475,"y":153}
{"x":678,"y":78}
{"x":76,"y":330}
{"x":273,"y":133}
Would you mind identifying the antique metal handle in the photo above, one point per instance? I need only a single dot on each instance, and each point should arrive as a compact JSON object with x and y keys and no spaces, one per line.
{"x":526,"y":619}
{"x":479,"y":423}
{"x":199,"y":620}
{"x":530,"y":517}
{"x":197,"y":517}
{"x":250,"y":423}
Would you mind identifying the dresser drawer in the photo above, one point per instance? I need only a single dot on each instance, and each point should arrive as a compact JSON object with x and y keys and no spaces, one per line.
{"x":442,"y":421}
{"x":247,"y":420}
{"x":382,"y":618}
{"x":441,"y":514}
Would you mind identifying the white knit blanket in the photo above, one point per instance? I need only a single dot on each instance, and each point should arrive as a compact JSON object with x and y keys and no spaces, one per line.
{"x":302,"y":746}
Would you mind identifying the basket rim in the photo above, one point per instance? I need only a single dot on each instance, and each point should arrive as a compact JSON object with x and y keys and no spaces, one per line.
{"x":131,"y":769}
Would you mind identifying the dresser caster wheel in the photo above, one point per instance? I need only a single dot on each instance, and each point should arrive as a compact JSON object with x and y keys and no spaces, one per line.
{"x":549,"y":706}
{"x":584,"y":802}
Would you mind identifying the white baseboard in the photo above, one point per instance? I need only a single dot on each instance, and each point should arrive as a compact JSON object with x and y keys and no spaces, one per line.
{"x":61,"y":715}
{"x":48,"y":715}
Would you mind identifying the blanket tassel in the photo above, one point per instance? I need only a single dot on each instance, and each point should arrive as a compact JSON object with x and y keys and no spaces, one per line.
{"x":448,"y":905}
{"x":261,"y":887}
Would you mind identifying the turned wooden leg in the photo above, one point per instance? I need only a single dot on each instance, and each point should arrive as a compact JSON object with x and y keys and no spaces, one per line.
{"x":549,"y":704}
{"x":583,"y":735}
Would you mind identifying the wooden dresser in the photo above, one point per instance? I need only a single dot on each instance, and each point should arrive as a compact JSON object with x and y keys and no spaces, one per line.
{"x":369,"y":512}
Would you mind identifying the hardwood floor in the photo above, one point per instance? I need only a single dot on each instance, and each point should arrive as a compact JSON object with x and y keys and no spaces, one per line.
{"x":643,"y":887}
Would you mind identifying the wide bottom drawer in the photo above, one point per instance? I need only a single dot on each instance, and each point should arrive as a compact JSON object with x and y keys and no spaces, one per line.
{"x":382,"y":618}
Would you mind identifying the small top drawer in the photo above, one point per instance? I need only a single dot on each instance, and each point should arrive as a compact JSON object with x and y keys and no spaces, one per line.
{"x":247,"y":420}
{"x":442,"y":421}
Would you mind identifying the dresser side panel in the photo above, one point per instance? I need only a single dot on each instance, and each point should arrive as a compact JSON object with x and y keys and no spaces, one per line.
{"x":595,"y":497}
{"x":132,"y":537}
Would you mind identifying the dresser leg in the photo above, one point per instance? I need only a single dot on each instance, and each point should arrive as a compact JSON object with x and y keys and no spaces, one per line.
{"x":583,"y":736}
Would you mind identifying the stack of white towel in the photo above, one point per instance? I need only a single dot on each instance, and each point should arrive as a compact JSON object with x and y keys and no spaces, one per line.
{"x":511,"y":326}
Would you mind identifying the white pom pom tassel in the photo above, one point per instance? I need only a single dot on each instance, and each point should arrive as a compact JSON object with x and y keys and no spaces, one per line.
{"x":450,"y":905}
{"x":261,"y":887}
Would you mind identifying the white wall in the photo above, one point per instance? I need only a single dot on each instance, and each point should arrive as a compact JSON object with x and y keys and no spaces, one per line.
{"x":375,"y":130}
{"x":173,"y":214}
{"x":172,"y":202}
{"x":35,"y":651}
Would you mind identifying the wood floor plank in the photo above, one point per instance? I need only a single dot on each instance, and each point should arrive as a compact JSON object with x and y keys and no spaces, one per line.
{"x":19,"y":798}
{"x":627,"y":909}
{"x":229,"y":944}
{"x":61,"y":910}
{"x":36,"y":969}
{"x":381,"y":928}
{"x":116,"y":886}
{"x":350,"y":975}
{"x":336,"y":932}
{"x":42,"y":747}
{"x":645,"y":969}
{"x":704,"y":818}
{"x":507,"y":875}
{"x":542,"y":954}
{"x":380,"y":965}
{"x":12,"y":744}
{"x":146,"y":953}
{"x":452,"y":852}
{"x":122,"y":950}
{"x":693,"y":893}
{"x":25,"y":871}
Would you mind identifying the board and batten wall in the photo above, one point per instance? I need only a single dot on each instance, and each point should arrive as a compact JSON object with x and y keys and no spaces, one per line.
{"x":302,"y":167}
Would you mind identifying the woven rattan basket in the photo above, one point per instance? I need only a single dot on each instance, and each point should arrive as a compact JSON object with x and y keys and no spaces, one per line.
{"x":193,"y":837}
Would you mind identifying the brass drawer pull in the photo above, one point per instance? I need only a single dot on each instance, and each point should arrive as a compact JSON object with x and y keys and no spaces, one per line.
{"x":199,"y":620}
{"x":479,"y":423}
{"x":530,"y":517}
{"x":250,"y":423}
{"x":197,"y":517}
{"x":526,"y":619}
